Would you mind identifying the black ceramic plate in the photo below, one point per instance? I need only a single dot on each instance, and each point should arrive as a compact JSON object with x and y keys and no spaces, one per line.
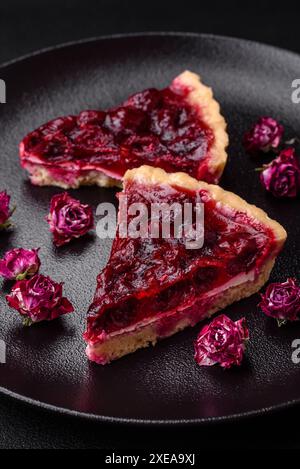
{"x":46,"y":364}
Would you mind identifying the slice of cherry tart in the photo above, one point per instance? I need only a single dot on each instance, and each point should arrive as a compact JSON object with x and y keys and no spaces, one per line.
{"x":179,"y":128}
{"x":154,"y":287}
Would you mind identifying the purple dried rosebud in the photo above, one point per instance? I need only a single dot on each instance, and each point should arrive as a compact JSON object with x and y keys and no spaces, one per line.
{"x":68,"y":218}
{"x":264,"y":136}
{"x":5,"y":211}
{"x":282,"y":301}
{"x":282,"y":176}
{"x":39,"y":299}
{"x":20,"y":263}
{"x":222,"y":342}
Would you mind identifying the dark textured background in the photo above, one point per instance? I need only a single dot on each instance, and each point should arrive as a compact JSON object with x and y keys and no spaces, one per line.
{"x":29,"y":25}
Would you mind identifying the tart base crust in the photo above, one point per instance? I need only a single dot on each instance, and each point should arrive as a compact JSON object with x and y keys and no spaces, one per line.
{"x":40,"y":176}
{"x":199,"y":96}
{"x":155,"y":176}
{"x":119,"y":345}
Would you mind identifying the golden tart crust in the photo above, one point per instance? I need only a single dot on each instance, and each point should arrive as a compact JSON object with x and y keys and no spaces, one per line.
{"x":120,"y":343}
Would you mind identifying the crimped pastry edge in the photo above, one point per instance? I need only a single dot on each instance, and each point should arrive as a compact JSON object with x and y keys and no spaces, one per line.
{"x":149,"y":175}
{"x":201,"y":96}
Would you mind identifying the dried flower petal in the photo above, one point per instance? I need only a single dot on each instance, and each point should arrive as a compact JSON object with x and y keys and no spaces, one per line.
{"x":19,"y":264}
{"x":68,"y":218}
{"x":282,"y":176}
{"x":264,"y":136}
{"x":5,"y":211}
{"x":222,"y":342}
{"x":282,"y":301}
{"x":39,"y":299}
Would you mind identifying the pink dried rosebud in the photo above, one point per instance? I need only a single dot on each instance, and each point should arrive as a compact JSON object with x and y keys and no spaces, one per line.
{"x":39,"y":299}
{"x":282,"y":176}
{"x":5,"y":211}
{"x":68,"y":218}
{"x":264,"y":136}
{"x":223,"y":341}
{"x":282,"y":301}
{"x":19,"y":264}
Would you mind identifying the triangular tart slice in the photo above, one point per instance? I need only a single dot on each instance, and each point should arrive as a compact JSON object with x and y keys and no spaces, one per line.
{"x":178,"y":128}
{"x":152,"y":288}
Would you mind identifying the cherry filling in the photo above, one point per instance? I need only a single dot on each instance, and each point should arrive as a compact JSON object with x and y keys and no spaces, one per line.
{"x":152,"y":127}
{"x":146,"y":278}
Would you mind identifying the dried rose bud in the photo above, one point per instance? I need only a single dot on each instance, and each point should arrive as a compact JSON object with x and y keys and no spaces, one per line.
{"x":5,"y":211}
{"x":264,"y":136}
{"x":282,"y":301}
{"x":282,"y":176}
{"x":68,"y":218}
{"x":19,"y":264}
{"x":222,"y":342}
{"x":39,"y":299}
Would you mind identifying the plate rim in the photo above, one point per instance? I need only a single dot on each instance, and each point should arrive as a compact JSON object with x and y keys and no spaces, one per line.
{"x":91,"y":39}
{"x":127,"y":420}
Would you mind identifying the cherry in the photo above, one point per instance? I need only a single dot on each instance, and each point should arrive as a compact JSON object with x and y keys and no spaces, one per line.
{"x":151,"y":277}
{"x":125,"y":120}
{"x":151,"y":127}
{"x":145,"y":100}
{"x":91,"y":118}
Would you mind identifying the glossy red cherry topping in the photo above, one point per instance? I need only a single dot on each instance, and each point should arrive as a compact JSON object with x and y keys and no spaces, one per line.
{"x":148,"y":277}
{"x":152,"y":127}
